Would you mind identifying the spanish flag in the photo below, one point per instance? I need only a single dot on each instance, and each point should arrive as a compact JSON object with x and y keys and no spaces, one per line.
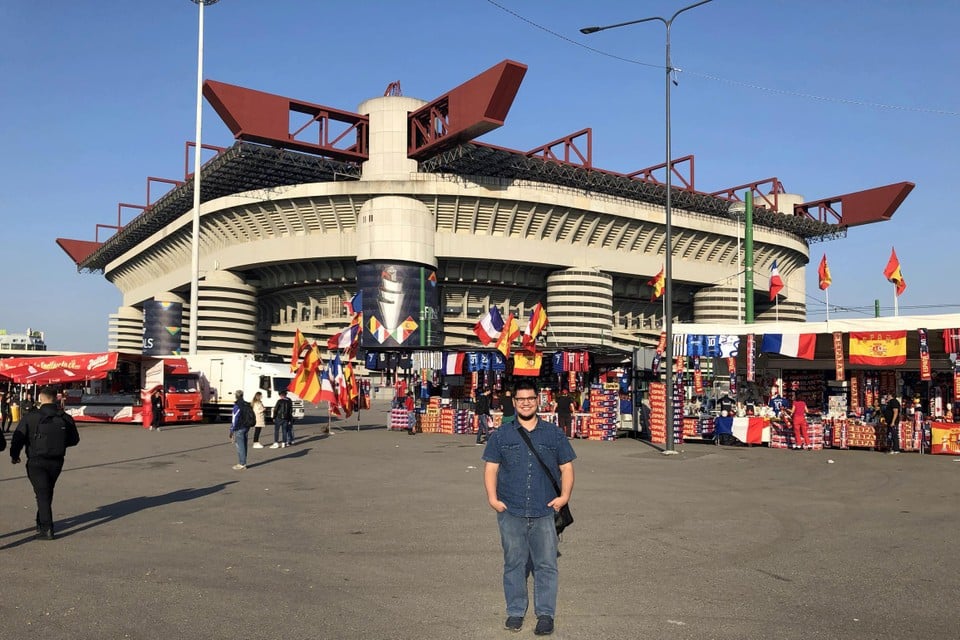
{"x":659,"y":283}
{"x":299,"y":344}
{"x":824,"y":273}
{"x":893,"y":273}
{"x":511,"y":331}
{"x":538,"y":321}
{"x":527,"y":364}
{"x":878,"y":348}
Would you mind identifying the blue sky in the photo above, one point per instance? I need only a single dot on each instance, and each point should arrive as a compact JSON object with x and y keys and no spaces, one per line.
{"x":98,"y":96}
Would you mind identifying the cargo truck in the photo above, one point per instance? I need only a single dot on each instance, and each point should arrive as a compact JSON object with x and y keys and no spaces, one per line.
{"x":222,"y":374}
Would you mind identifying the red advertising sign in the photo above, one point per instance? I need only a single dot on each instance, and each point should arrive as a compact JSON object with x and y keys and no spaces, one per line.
{"x":59,"y":369}
{"x":838,"y":355}
{"x":925,"y":371}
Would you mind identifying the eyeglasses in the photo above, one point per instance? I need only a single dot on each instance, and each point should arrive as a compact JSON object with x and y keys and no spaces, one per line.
{"x":529,"y":400}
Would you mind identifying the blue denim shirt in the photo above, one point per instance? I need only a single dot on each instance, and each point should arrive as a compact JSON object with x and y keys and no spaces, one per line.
{"x":521,"y":483}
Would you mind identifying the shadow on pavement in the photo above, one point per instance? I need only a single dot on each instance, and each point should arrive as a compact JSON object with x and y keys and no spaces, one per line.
{"x":299,"y":453}
{"x":116,"y":510}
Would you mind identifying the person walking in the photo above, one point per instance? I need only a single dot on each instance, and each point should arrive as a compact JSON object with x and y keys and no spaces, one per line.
{"x":891,"y":415}
{"x":156,"y":402}
{"x":283,"y":421}
{"x":45,"y":433}
{"x":564,"y":410}
{"x":483,"y":416}
{"x":260,"y":413}
{"x":243,"y":419}
{"x":523,"y":496}
{"x":6,"y":415}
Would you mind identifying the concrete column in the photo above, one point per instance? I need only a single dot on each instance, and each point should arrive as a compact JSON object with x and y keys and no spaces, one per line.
{"x":227,"y":313}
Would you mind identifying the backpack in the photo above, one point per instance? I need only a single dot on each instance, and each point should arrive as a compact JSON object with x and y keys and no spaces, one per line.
{"x":247,"y":418}
{"x":49,"y":438}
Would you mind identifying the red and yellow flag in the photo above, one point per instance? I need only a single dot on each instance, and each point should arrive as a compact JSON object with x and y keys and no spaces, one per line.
{"x":527,"y":364}
{"x":893,"y":273}
{"x":878,"y":348}
{"x":824,"y":273}
{"x":299,"y":344}
{"x":538,"y":321}
{"x":659,"y":283}
{"x":511,"y":331}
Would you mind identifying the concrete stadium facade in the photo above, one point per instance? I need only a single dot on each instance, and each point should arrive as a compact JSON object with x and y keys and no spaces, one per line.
{"x":277,"y":255}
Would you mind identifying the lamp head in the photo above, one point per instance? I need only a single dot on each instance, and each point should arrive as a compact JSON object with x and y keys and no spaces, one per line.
{"x":589,"y":30}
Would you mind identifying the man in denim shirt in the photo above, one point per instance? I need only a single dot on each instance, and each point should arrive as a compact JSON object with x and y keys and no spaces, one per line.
{"x":525,"y":502}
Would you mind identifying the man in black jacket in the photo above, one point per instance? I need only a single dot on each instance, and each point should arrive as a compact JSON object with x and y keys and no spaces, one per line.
{"x":46,"y":433}
{"x":283,"y":421}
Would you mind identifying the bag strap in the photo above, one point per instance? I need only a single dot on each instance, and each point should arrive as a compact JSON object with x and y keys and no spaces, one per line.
{"x":526,"y":438}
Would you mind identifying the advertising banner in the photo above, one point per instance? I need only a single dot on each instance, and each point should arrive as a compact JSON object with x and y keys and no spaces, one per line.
{"x":751,"y":353}
{"x":838,"y":355}
{"x":400,"y":306}
{"x":925,"y":371}
{"x":162,"y":327}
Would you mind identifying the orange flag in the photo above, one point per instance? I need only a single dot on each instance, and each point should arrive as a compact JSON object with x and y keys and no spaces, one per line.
{"x":824,"y":273}
{"x":659,"y":283}
{"x":511,"y":331}
{"x":299,"y":344}
{"x":893,"y":273}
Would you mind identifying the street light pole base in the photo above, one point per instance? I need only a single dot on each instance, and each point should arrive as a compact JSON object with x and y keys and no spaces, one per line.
{"x":672,"y":452}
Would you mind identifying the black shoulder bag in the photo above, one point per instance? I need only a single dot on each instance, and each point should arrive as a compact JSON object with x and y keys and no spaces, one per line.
{"x":563,"y":518}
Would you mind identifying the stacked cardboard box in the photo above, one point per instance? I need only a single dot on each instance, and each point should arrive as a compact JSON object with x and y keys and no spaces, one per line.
{"x":604,"y":411}
{"x":658,"y":413}
{"x":463,"y":421}
{"x":781,"y":436}
{"x":430,"y":419}
{"x":399,"y":419}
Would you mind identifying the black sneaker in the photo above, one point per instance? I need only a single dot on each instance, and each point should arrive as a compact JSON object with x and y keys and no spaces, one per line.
{"x":544,"y":626}
{"x":513,"y":623}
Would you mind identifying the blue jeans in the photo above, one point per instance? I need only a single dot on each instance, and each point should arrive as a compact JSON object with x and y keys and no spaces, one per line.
{"x":483,"y":426}
{"x":286,"y":427}
{"x":240,"y":439}
{"x":529,"y":546}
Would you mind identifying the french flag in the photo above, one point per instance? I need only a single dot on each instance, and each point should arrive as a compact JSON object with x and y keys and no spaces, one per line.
{"x":776,"y":282}
{"x":800,"y":345}
{"x":489,"y":327}
{"x":751,"y":430}
{"x":453,"y":363}
{"x":355,"y":304}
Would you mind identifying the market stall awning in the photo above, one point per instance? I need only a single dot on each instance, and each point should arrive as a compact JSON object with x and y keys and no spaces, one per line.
{"x":59,"y":369}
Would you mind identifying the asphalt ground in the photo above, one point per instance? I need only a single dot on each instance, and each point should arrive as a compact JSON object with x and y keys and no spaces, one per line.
{"x":376,"y":534}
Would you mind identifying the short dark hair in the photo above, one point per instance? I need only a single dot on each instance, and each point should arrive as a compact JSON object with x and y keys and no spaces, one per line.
{"x":524,"y":383}
{"x":282,"y":392}
{"x":47,"y":392}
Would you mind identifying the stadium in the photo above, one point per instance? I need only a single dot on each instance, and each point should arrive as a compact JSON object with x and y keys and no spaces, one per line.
{"x":398,"y":199}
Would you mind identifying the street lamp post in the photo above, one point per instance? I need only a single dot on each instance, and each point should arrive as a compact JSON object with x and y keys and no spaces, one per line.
{"x":195,"y":231}
{"x":668,"y":262}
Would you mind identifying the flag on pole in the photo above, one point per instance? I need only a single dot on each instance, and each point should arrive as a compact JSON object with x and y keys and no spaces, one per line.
{"x":538,"y":321}
{"x":824,"y":273}
{"x":329,"y":387}
{"x":893,"y":273}
{"x":299,"y":344}
{"x":511,"y":331}
{"x":344,"y":340}
{"x":489,"y":327}
{"x":659,"y":283}
{"x":776,"y":282}
{"x":355,"y":304}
